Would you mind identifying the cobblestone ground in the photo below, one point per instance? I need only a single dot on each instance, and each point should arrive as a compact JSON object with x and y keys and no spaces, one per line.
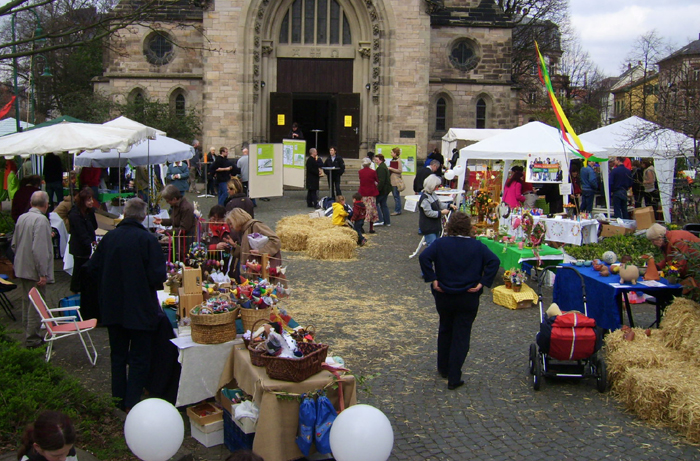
{"x":377,"y":314}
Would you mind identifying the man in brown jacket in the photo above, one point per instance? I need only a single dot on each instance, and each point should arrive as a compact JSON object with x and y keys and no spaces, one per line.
{"x":182,"y":216}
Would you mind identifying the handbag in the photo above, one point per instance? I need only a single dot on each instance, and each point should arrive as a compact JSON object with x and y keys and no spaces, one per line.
{"x":401,"y":185}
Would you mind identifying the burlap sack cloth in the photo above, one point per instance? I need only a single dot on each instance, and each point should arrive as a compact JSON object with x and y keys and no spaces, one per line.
{"x":279,"y":418}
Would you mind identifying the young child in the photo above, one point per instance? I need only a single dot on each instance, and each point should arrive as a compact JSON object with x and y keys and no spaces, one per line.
{"x":340,"y":215}
{"x":359,"y":211}
{"x":51,"y":437}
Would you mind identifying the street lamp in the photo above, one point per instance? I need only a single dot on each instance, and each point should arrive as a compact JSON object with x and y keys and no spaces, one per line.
{"x":45,"y":73}
{"x":39,"y":38}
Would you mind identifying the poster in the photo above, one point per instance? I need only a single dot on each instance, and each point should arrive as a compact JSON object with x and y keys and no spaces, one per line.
{"x":347,"y":121}
{"x":294,"y":153}
{"x":280,"y":120}
{"x":266,"y":159}
{"x":542,"y":169}
{"x":407,"y":157}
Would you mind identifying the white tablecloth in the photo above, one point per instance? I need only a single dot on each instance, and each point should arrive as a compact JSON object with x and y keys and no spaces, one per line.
{"x":60,"y":226}
{"x":569,"y":231}
{"x":201,"y":368}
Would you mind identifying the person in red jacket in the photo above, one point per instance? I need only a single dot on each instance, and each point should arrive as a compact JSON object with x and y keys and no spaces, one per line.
{"x":359,"y":212}
{"x":91,"y":177}
{"x":368,"y":190}
{"x":672,"y":243}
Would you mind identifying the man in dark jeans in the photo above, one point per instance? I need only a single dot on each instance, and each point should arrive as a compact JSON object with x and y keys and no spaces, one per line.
{"x":620,"y":183}
{"x":53,"y":176}
{"x":128,"y":299}
{"x":223,"y":170}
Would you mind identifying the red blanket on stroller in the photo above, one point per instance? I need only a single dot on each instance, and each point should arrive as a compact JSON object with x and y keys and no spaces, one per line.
{"x":570,"y":336}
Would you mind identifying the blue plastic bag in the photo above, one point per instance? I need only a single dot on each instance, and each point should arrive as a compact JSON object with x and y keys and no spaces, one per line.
{"x":325,"y":415}
{"x":307,"y":419}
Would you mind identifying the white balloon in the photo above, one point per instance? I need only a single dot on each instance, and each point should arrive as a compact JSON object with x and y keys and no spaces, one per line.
{"x":154,"y":430}
{"x":450,"y":175}
{"x":361,"y":432}
{"x":459,"y":169}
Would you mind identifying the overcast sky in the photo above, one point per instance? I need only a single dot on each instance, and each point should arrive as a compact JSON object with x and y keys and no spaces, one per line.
{"x":608,"y":28}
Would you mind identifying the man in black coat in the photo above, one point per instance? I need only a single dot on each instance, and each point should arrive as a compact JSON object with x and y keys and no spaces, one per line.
{"x":129,"y":268}
{"x":423,"y":173}
{"x":313,"y":176}
{"x":334,"y":161}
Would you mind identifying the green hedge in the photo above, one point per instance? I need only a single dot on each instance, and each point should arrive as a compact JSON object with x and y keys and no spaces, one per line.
{"x":30,"y":385}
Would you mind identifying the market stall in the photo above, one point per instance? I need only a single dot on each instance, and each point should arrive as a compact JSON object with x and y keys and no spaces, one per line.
{"x":511,"y":255}
{"x":558,"y":229}
{"x":636,"y":137}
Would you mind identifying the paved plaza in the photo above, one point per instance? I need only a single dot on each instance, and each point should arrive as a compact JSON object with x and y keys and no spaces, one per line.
{"x":376,"y":312}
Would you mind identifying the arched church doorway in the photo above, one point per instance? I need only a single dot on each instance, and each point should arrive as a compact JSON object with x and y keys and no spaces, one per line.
{"x":316,"y":75}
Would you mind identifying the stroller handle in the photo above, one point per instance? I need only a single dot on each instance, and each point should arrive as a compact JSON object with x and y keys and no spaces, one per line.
{"x":552,"y":269}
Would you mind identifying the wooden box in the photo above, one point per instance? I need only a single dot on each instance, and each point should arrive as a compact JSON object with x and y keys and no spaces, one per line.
{"x":192,"y":280}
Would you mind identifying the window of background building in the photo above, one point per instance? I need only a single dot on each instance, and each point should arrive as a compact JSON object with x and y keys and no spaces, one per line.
{"x":315,"y":22}
{"x":481,"y":113}
{"x":180,"y":109}
{"x":441,"y":115}
{"x":463,"y":55}
{"x":158,"y":48}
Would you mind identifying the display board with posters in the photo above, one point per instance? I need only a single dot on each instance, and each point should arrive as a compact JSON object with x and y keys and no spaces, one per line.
{"x":293,"y":162}
{"x":542,"y":170}
{"x":408,"y":156}
{"x":266,"y":175}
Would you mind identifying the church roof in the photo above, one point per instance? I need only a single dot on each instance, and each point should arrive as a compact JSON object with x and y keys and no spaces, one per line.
{"x":486,"y":13}
{"x":165,"y":10}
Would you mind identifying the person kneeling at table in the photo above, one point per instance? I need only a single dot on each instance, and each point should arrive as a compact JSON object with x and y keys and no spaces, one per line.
{"x":672,"y":244}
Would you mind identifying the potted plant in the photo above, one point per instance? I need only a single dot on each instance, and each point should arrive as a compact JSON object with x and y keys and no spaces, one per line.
{"x":517,"y":279}
{"x":672,"y":273}
{"x":507,"y":280}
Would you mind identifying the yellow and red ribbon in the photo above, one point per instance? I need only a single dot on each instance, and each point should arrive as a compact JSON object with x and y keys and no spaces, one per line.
{"x":570,"y":138}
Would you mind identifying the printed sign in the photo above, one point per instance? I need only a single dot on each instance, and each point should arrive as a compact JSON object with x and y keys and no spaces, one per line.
{"x":294,"y":153}
{"x":266,"y":159}
{"x":407,"y":157}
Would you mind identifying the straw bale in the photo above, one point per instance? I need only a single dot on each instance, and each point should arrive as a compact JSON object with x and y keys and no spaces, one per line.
{"x":294,"y":238}
{"x":335,"y":243}
{"x":684,"y":410}
{"x":643,"y":352}
{"x":680,"y":328}
{"x":648,"y":391}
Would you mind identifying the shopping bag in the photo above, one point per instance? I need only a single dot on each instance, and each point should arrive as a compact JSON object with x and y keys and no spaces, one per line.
{"x":307,"y":420}
{"x":325,"y":415}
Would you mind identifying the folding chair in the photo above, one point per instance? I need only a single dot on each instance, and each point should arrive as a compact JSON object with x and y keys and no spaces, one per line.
{"x":62,"y":327}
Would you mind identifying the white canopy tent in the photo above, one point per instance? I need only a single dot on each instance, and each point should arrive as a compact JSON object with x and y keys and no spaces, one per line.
{"x":160,"y":150}
{"x":636,"y":137}
{"x":454,"y":135}
{"x":534,"y":138}
{"x":67,"y":136}
{"x":128,"y":124}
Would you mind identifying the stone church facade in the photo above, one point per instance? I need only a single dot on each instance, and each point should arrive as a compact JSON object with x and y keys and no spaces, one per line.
{"x":360,"y":72}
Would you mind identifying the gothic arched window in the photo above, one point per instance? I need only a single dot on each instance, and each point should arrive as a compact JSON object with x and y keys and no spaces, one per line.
{"x":315,"y":22}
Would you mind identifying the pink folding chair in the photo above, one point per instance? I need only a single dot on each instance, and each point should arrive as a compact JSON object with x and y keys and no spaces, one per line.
{"x":62,"y":327}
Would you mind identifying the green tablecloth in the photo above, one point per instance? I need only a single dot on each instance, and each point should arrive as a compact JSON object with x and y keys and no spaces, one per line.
{"x":512,"y":256}
{"x":104,"y":197}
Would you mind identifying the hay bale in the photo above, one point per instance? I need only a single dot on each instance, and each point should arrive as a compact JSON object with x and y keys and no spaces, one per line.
{"x":684,"y":409}
{"x":648,"y":391}
{"x":294,"y":231}
{"x":644,"y":352}
{"x":334,"y":243}
{"x":680,"y":328}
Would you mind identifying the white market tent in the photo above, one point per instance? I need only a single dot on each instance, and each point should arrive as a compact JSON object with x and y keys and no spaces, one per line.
{"x":9,"y":126}
{"x":534,"y":138}
{"x":160,"y":150}
{"x":68,"y":136}
{"x":454,"y":135}
{"x":636,"y":137}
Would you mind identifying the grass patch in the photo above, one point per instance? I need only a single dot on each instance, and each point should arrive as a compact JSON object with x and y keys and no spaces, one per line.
{"x":30,"y":385}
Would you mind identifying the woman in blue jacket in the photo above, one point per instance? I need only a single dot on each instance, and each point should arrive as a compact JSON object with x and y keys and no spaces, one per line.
{"x":458,"y":267}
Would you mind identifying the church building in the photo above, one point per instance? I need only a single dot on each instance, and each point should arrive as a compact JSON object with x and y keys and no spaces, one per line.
{"x":351,"y":73}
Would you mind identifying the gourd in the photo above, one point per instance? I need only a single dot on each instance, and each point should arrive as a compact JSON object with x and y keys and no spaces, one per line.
{"x":609,"y":257}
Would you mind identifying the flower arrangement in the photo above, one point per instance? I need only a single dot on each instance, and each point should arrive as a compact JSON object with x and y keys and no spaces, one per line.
{"x":482,"y":199}
{"x":672,"y":273}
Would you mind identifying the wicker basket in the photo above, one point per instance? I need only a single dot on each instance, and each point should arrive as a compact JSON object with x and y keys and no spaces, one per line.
{"x":250,"y":316}
{"x":214,"y":328}
{"x":297,"y":370}
{"x":256,"y":349}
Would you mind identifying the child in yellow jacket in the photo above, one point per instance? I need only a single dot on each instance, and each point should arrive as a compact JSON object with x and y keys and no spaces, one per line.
{"x":340,"y":215}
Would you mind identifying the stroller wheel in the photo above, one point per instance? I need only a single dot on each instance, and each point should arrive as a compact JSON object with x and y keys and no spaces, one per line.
{"x":533,"y":357}
{"x":601,"y":376}
{"x":537,"y":373}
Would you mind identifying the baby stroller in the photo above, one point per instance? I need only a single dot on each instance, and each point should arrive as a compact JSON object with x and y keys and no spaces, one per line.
{"x":567,"y":345}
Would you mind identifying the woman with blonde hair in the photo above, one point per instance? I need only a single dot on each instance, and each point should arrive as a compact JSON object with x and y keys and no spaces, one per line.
{"x":243,"y":223}
{"x":237,"y":197}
